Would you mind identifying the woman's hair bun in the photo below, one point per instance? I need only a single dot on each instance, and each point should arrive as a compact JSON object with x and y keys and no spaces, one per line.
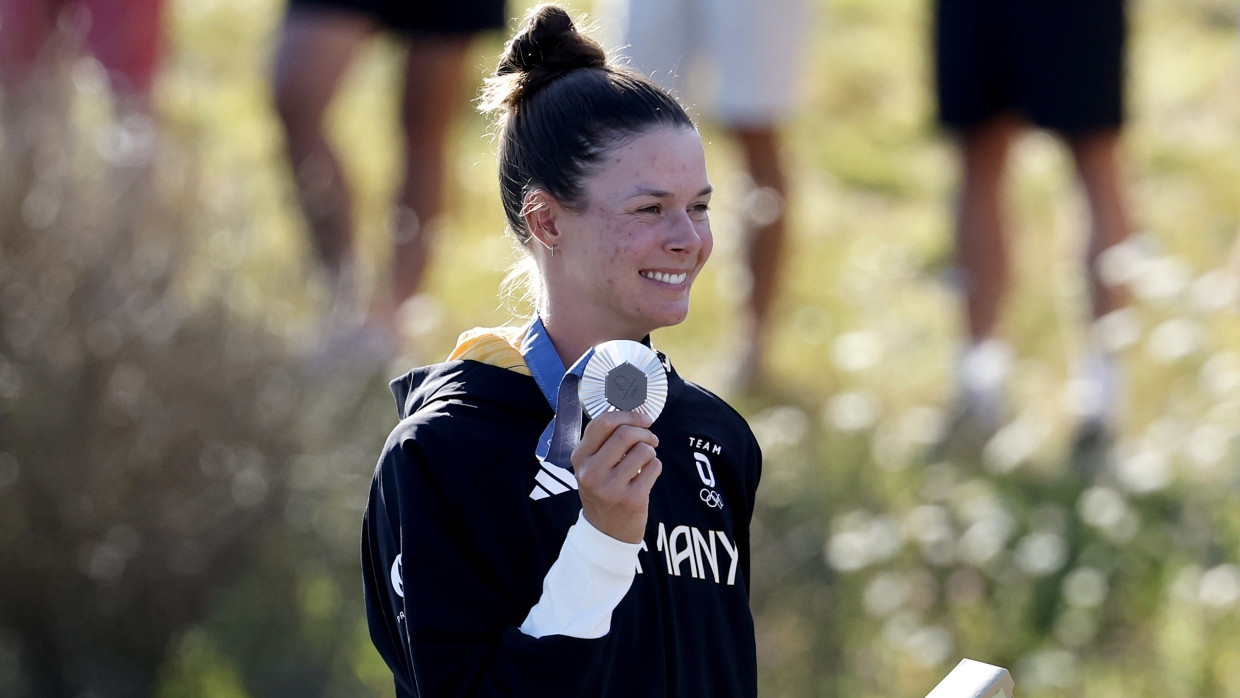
{"x":547,"y":46}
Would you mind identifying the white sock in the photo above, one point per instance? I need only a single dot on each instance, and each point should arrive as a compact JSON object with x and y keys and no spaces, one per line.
{"x":1096,"y":389}
{"x":981,"y":372}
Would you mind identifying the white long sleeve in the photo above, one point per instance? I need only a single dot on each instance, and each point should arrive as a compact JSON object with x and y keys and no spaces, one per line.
{"x":585,"y":584}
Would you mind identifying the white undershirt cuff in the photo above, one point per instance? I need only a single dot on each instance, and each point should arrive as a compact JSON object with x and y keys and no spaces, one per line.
{"x":585,"y":584}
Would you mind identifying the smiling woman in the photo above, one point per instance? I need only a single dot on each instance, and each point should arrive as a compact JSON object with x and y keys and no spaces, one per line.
{"x":628,"y":254}
{"x":508,"y":551}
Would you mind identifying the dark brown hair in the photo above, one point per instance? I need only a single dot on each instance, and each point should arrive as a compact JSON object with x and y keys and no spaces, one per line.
{"x":562,"y":104}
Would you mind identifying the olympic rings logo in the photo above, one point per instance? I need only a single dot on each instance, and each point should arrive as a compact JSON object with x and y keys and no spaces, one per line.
{"x":711,"y":497}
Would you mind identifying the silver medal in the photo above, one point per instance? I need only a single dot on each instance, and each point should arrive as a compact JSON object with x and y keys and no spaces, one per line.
{"x":623,"y":375}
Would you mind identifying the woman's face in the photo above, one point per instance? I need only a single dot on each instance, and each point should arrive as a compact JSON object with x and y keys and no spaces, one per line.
{"x":630,"y":251}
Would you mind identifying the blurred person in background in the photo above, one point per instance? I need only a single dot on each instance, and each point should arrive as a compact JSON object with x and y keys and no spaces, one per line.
{"x":318,"y":43}
{"x":501,"y":555}
{"x":1000,"y":67}
{"x":40,"y":41}
{"x":750,"y":54}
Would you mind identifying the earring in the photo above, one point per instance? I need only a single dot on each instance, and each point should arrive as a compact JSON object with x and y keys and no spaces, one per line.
{"x":553,"y":250}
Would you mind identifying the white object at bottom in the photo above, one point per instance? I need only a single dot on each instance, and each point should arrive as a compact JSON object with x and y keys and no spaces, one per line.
{"x":972,"y":679}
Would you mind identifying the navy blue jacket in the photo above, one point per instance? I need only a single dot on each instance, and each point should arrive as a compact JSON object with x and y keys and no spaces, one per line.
{"x":457,"y":538}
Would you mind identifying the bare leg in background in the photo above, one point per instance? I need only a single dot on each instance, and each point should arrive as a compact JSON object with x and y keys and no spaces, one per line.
{"x":316,"y":50}
{"x":434,"y":84}
{"x":765,"y":239}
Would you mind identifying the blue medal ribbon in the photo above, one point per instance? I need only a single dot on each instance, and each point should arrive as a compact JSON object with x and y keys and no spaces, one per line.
{"x":559,"y":386}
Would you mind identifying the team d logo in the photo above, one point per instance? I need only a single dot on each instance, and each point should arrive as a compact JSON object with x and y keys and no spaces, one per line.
{"x":706,"y":472}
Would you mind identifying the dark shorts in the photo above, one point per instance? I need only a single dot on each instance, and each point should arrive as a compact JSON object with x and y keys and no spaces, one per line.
{"x":420,"y":16}
{"x":1058,"y":63}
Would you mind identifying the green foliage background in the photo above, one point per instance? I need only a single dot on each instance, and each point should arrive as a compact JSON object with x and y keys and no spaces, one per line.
{"x":876,"y":566}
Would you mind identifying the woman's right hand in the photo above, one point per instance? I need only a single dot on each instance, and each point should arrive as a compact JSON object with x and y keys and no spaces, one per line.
{"x":616,"y":466}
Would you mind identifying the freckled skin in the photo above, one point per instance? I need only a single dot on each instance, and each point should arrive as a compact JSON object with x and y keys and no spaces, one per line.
{"x":644,"y":213}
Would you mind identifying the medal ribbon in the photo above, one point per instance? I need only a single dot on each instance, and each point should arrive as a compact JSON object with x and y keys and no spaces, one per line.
{"x":559,"y":386}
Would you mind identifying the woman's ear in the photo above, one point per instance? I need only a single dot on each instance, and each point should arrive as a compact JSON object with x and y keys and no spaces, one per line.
{"x":539,"y":211}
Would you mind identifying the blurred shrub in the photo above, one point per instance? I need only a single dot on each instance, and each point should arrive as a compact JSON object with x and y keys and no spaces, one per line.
{"x":874,"y":575}
{"x":145,"y":438}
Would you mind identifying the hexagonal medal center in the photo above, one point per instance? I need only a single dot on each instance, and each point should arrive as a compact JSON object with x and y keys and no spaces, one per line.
{"x":626,"y":387}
